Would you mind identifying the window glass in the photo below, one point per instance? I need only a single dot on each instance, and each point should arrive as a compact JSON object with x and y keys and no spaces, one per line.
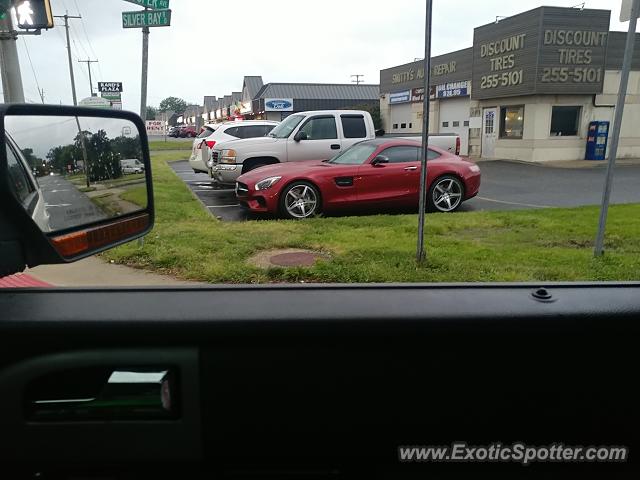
{"x":456,"y":124}
{"x":445,"y":124}
{"x":18,"y":176}
{"x":512,"y":124}
{"x":402,"y":154}
{"x":206,"y":132}
{"x":286,"y":127}
{"x":466,"y":123}
{"x":355,"y":155}
{"x":320,"y":128}
{"x":253,"y":131}
{"x":395,"y":125}
{"x":353,"y":126}
{"x":233,"y":131}
{"x":432,"y":154}
{"x":565,"y":121}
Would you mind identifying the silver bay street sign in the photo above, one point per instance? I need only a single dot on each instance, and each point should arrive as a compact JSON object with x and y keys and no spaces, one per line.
{"x":156,"y":4}
{"x":148,"y":18}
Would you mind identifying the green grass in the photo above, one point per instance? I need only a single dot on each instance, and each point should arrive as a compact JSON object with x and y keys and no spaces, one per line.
{"x":531,"y":245}
{"x":159,"y":145}
{"x":137,"y":195}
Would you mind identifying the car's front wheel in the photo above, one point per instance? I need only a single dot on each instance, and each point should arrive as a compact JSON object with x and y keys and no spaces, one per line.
{"x":446,"y":194}
{"x":300,"y":200}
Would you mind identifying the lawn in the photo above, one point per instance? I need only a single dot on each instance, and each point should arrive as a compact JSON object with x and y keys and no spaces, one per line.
{"x":159,"y":145}
{"x":531,"y":245}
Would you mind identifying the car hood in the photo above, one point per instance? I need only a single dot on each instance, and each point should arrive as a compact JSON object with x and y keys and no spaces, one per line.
{"x":288,"y":169}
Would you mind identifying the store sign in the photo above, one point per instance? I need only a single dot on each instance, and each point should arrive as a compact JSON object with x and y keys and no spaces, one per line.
{"x":278,"y":104}
{"x":400,"y":97}
{"x":417,"y":95}
{"x":548,"y":50}
{"x":453,"y":89}
{"x":110,"y":87}
{"x":94,"y":102}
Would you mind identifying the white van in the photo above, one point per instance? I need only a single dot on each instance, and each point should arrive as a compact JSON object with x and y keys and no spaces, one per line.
{"x":131,"y":165}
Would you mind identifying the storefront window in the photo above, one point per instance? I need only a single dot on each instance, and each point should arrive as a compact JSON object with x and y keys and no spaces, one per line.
{"x":512,"y":123}
{"x":565,"y":121}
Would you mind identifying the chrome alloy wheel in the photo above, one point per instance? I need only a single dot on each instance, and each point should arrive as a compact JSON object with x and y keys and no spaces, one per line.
{"x":301,"y":201}
{"x":447,"y":194}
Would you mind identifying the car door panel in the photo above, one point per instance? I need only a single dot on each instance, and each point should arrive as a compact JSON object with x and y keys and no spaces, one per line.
{"x":332,"y":379}
{"x":323,"y":142}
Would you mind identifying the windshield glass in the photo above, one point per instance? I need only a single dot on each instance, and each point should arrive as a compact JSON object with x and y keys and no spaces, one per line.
{"x":285,"y":128}
{"x":520,"y":112}
{"x":356,"y":155}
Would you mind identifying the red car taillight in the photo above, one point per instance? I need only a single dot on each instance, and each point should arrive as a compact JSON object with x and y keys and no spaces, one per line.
{"x":211,"y":143}
{"x":457,"y":145}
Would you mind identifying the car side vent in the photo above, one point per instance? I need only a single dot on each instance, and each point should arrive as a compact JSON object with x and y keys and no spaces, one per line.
{"x":344,"y":181}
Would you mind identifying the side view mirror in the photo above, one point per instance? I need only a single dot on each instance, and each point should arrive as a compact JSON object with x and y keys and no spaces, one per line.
{"x":69,"y":185}
{"x":380,"y":160}
{"x":380,"y":133}
{"x":300,"y":136}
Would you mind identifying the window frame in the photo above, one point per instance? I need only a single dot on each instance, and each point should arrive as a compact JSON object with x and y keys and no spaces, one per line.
{"x":30,"y":200}
{"x":501,"y":127}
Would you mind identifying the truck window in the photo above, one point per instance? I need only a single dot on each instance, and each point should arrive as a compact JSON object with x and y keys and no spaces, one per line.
{"x":320,"y":128}
{"x":353,"y":126}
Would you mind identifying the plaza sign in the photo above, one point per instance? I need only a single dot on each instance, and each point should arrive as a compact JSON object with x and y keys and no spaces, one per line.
{"x":155,"y":4}
{"x":278,"y":104}
{"x":148,"y":18}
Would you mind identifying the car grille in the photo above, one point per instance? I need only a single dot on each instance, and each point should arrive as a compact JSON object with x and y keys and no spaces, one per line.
{"x":214,"y":157}
{"x":241,"y":188}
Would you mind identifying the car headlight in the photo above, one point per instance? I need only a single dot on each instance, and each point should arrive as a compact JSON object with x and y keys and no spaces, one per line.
{"x":228,"y":156}
{"x":267,"y":183}
{"x":474,"y":168}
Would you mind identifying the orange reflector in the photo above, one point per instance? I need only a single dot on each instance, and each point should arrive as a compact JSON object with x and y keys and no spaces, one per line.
{"x":73,"y":244}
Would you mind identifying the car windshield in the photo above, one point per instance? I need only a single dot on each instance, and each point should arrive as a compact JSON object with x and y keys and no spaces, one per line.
{"x":518,"y":99}
{"x":285,"y":128}
{"x":356,"y":155}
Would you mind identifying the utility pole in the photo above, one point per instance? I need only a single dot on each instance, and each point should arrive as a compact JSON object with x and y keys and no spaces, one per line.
{"x":145,"y":72}
{"x":89,"y":62}
{"x":10,"y":64}
{"x":357,"y":80}
{"x":66,"y":17}
{"x":41,"y":92}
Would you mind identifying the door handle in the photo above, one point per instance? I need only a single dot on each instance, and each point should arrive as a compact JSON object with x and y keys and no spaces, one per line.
{"x":335,"y":146}
{"x":409,"y":169}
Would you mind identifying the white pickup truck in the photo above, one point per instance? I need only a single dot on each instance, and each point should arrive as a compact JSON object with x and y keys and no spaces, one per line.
{"x":316,"y":135}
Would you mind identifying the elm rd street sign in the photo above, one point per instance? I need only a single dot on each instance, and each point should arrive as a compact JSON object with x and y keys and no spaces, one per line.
{"x":147,"y":18}
{"x":155,"y":4}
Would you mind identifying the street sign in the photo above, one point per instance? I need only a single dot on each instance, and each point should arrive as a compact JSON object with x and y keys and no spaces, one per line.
{"x":149,"y":18}
{"x":625,"y":10}
{"x":33,"y":14}
{"x":155,"y":4}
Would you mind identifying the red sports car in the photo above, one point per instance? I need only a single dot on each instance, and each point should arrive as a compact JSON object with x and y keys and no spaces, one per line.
{"x":380,"y":173}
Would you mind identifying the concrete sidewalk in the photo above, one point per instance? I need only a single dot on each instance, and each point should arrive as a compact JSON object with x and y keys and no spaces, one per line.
{"x":94,"y":272}
{"x":567,"y":164}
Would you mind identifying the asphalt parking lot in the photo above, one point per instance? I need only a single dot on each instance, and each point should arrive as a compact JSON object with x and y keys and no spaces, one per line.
{"x":505,"y":186}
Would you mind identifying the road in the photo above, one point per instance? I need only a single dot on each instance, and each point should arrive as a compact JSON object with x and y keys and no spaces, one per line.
{"x":505,"y":186}
{"x":67,"y":206}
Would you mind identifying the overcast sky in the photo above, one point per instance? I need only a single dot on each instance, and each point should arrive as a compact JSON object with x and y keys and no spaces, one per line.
{"x":212,"y":44}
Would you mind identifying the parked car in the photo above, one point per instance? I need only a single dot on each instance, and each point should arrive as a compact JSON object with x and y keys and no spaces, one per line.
{"x":373,"y":174}
{"x":174,"y":131}
{"x":131,"y":165}
{"x":187,"y":131}
{"x":220,"y":133}
{"x":316,"y":135}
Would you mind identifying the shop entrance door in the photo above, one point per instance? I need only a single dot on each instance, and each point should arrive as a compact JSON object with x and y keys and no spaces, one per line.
{"x":490,"y":127}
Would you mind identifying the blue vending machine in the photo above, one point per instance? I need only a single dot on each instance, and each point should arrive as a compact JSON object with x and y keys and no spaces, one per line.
{"x":597,"y":139}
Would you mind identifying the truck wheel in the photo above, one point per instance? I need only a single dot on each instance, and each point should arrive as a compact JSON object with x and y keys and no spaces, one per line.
{"x":300,"y":200}
{"x":253,"y":166}
{"x":445,"y":194}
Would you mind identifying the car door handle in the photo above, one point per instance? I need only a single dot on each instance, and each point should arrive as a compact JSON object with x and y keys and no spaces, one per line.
{"x":409,"y":169}
{"x":335,"y":146}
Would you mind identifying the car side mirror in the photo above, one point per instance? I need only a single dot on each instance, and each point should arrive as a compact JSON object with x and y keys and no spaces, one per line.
{"x":63,"y":182}
{"x":380,"y":133}
{"x":300,"y":136}
{"x":380,"y":160}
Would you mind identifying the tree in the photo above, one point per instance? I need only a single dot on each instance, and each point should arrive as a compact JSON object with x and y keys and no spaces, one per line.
{"x":152,"y":113}
{"x":33,"y":161}
{"x":175,"y":104}
{"x":374,"y":110}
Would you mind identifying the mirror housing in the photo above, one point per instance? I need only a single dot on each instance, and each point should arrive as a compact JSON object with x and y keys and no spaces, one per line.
{"x":380,"y":160}
{"x":300,"y":136}
{"x":380,"y":132}
{"x":33,"y":244}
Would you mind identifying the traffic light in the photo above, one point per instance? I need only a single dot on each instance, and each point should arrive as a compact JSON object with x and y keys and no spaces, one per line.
{"x":33,"y":14}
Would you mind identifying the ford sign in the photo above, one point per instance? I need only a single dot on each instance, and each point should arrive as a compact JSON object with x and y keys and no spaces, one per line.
{"x":278,"y":104}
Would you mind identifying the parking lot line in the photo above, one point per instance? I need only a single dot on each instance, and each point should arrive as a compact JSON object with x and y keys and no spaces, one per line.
{"x":513,"y":203}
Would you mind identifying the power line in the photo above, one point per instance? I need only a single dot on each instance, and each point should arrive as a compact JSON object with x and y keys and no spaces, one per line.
{"x":40,"y":91}
{"x":86,"y":34}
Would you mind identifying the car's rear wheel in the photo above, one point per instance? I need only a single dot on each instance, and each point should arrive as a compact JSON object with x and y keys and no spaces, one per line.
{"x":300,"y":200}
{"x":445,"y":194}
